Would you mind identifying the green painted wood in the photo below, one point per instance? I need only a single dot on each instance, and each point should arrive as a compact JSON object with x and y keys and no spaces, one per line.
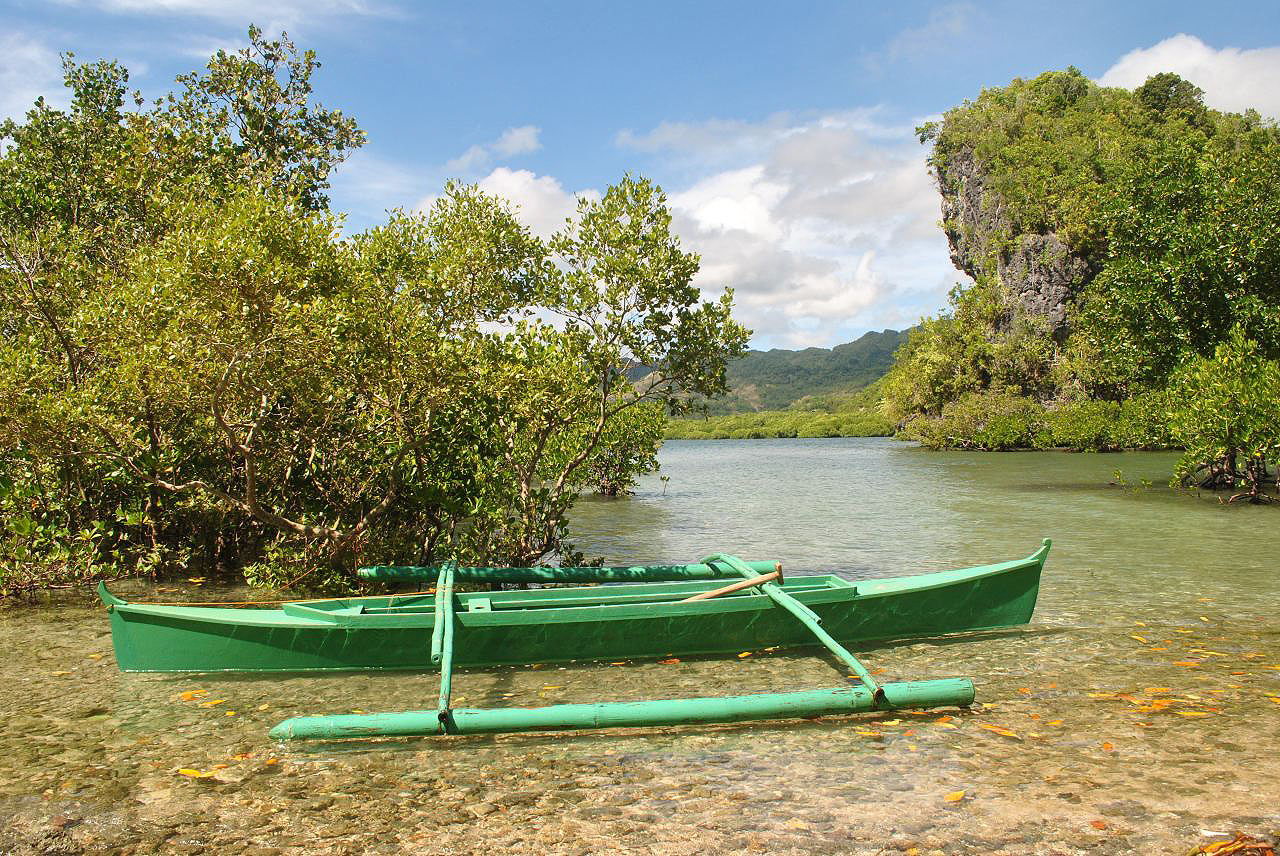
{"x":588,"y":574}
{"x":613,"y":622}
{"x":805,"y":615}
{"x":445,"y":613}
{"x":829,"y":702}
{"x":444,"y":606}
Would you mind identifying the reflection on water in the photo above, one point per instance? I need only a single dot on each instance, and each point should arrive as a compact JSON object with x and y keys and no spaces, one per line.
{"x":1141,"y":699}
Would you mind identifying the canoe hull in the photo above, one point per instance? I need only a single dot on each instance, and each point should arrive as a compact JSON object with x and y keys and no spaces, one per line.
{"x":550,"y":625}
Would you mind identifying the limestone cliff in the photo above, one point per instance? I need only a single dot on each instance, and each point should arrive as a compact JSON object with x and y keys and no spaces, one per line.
{"x":1040,"y":272}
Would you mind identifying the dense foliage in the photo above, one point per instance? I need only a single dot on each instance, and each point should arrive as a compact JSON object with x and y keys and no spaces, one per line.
{"x":1176,"y":207}
{"x":198,"y":371}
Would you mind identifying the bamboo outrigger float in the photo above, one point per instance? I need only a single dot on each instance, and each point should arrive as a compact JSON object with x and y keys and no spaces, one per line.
{"x":653,"y":611}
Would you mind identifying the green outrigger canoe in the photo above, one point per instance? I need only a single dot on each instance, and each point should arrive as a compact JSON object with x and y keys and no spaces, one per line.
{"x":642,"y":611}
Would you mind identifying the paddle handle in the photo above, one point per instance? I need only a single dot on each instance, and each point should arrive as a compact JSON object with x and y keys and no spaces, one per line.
{"x":738,"y":586}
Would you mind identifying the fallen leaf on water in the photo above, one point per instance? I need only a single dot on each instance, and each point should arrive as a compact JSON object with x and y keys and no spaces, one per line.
{"x":670,"y":661}
{"x":196,"y":580}
{"x":212,"y":703}
{"x":195,"y":774}
{"x":221,"y":766}
{"x":231,"y":713}
{"x":554,"y":687}
{"x":1024,"y":690}
{"x":744,"y":654}
{"x":1203,"y":618}
{"x":1191,"y":713}
{"x":59,"y":673}
{"x":1186,"y":662}
{"x":1140,"y":623}
{"x":1158,"y":648}
{"x":911,"y":747}
{"x":954,"y":796}
{"x":1141,"y":639}
{"x":192,"y":695}
{"x":1108,"y":746}
{"x":271,"y":761}
{"x":1102,"y":695}
{"x":877,"y":671}
{"x":263,"y":706}
{"x":1128,"y":698}
{"x":242,"y":756}
{"x":1155,"y":690}
{"x":1275,"y":699}
{"x":1098,"y":824}
{"x":1054,"y":722}
{"x":96,"y":656}
{"x":621,"y":663}
{"x":1051,"y":686}
{"x":945,"y":724}
{"x":1003,"y":732}
{"x":892,"y":722}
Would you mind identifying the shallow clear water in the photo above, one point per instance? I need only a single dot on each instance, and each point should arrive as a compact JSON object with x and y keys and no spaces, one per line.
{"x":1139,"y":699}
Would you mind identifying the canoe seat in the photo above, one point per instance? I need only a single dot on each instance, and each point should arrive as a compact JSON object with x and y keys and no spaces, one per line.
{"x":349,"y":610}
{"x":480,"y":604}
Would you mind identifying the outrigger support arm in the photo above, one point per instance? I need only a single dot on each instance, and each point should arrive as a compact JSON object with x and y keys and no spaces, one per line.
{"x":442,"y":641}
{"x":806,"y":616}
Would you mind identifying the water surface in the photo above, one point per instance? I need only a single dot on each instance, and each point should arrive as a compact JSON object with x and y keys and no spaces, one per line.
{"x":1139,"y":700}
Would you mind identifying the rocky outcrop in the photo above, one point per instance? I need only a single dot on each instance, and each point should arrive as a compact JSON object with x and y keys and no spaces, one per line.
{"x":1040,"y":272}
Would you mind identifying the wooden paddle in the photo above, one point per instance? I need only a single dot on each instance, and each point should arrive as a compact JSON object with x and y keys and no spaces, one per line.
{"x":738,"y":586}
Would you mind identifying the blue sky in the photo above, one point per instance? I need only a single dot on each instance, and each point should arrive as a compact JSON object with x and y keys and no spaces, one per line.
{"x":781,"y":131}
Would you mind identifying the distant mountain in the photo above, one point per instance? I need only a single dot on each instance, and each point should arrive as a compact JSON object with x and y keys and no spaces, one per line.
{"x":772,"y":380}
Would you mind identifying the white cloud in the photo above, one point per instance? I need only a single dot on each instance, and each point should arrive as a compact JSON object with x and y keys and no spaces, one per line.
{"x":1232,"y":78}
{"x":945,"y":25}
{"x":513,"y":141}
{"x":541,"y":201}
{"x":824,"y":227}
{"x":28,"y":70}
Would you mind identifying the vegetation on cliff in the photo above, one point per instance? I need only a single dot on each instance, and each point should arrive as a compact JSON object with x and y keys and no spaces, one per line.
{"x":1124,"y":248}
{"x":197,"y":371}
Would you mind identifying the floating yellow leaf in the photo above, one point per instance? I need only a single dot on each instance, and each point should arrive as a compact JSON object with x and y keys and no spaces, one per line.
{"x":1054,"y":722}
{"x":192,"y":695}
{"x":195,"y":774}
{"x":1003,"y":732}
{"x":212,"y":703}
{"x":231,"y":713}
{"x":554,"y":687}
{"x":1191,"y":712}
{"x":263,"y":706}
{"x":670,"y":661}
{"x":196,"y":580}
{"x":1140,"y":623}
{"x":744,"y":654}
{"x":954,"y":796}
{"x":1098,"y":824}
{"x":1186,"y":662}
{"x":911,"y":747}
{"x":1141,"y":639}
{"x":1156,"y":690}
{"x":59,"y":673}
{"x":1108,"y":746}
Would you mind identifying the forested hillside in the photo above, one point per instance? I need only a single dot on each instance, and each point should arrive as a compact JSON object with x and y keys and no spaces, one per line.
{"x":1124,"y":247}
{"x":775,"y":379}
